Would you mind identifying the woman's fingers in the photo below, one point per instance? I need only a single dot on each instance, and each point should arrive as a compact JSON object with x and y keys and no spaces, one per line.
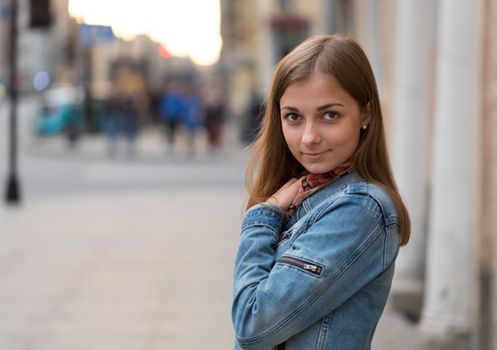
{"x":285,"y":195}
{"x":290,"y":182}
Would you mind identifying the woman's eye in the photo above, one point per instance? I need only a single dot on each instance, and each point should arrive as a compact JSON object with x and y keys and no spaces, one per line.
{"x":331,"y":115}
{"x":291,"y":117}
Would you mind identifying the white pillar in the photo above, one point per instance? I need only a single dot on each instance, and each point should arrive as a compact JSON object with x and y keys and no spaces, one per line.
{"x":488,"y":244}
{"x":449,"y":309}
{"x":413,"y":86}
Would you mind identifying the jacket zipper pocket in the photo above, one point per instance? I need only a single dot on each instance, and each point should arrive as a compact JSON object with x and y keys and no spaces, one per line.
{"x":302,"y":264}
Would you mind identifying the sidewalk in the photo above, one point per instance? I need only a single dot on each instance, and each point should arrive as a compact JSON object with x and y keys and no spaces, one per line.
{"x":394,"y":332}
{"x":127,"y":271}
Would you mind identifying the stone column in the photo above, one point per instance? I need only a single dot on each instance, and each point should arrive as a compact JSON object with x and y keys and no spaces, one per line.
{"x":449,"y":312}
{"x":410,"y":121}
{"x":488,"y":244}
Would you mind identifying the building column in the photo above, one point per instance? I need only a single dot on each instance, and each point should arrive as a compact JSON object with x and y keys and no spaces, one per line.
{"x":410,"y":122}
{"x":488,"y":189}
{"x":449,"y":311}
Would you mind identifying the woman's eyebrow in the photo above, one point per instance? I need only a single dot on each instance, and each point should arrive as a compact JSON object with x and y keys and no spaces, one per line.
{"x":320,"y":108}
{"x":293,"y":109}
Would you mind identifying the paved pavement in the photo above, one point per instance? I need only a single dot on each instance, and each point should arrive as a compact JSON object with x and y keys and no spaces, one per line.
{"x":127,"y":254}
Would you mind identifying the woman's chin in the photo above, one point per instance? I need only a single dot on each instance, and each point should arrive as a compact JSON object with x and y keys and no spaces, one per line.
{"x":318,"y":168}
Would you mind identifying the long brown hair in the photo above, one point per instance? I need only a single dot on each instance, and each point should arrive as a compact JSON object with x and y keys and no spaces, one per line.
{"x":342,"y":59}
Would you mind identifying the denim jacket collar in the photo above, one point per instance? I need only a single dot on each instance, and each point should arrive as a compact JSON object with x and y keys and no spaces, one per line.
{"x":326,"y":192}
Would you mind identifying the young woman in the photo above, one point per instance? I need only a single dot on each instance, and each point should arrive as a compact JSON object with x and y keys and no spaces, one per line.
{"x":324,"y":218}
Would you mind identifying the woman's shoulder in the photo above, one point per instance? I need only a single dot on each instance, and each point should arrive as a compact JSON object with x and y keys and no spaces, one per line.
{"x":360,"y":196}
{"x":374,"y":195}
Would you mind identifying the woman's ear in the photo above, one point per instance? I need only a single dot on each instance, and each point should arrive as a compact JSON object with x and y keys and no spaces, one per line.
{"x":366,"y":116}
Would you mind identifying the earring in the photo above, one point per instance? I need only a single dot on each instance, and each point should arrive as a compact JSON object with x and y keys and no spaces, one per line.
{"x":364,"y":127}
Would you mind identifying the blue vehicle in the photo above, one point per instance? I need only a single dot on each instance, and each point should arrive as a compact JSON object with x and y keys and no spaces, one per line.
{"x":62,"y":112}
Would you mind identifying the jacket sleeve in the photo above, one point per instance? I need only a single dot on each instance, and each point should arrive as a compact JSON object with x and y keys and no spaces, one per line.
{"x":338,"y":254}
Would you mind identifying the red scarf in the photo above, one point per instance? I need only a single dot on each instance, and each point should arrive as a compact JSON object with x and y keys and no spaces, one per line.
{"x":314,"y":182}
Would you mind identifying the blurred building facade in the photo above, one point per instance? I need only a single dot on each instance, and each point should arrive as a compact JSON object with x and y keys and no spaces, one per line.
{"x":435,"y":64}
{"x":257,"y":34}
{"x":4,"y":42}
{"x":70,"y":53}
{"x":41,"y":48}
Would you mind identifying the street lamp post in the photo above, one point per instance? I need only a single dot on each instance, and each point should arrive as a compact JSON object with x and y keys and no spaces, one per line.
{"x":12,"y":195}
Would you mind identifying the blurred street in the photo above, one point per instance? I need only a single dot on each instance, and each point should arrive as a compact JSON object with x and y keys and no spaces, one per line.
{"x":127,"y":253}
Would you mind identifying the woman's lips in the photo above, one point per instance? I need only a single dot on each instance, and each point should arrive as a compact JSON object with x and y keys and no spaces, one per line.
{"x":314,"y":155}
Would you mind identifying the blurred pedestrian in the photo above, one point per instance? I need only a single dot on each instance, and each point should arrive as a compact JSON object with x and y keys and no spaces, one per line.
{"x":253,"y":121}
{"x":120,"y":121}
{"x":324,"y":218}
{"x":193,"y":117}
{"x":172,"y":109}
{"x":214,"y":110}
{"x":122,"y":114}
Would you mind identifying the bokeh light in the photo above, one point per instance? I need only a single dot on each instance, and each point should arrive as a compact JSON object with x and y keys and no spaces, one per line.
{"x":41,"y":80}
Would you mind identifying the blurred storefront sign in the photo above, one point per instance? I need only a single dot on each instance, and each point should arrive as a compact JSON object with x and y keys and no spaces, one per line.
{"x":91,"y":35}
{"x":289,"y":23}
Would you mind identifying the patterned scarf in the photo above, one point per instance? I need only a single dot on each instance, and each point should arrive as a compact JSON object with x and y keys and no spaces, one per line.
{"x":314,"y":182}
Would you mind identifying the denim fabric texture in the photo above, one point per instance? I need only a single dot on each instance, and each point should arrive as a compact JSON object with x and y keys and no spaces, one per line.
{"x":322,"y":280}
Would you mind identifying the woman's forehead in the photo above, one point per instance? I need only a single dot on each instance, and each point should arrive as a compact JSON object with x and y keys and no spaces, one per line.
{"x":317,"y":87}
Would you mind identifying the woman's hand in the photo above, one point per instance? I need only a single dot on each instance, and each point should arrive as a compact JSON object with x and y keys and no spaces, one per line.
{"x":285,"y":195}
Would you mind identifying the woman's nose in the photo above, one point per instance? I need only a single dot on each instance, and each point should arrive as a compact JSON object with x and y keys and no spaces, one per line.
{"x":311,"y":134}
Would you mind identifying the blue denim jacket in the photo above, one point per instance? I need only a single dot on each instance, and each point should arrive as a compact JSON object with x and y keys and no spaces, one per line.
{"x":322,"y":280}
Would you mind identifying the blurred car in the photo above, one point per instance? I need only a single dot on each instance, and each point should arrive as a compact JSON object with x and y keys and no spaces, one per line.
{"x":61,"y":112}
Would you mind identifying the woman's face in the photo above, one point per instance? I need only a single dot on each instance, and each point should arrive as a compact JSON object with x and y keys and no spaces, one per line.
{"x":321,"y":123}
